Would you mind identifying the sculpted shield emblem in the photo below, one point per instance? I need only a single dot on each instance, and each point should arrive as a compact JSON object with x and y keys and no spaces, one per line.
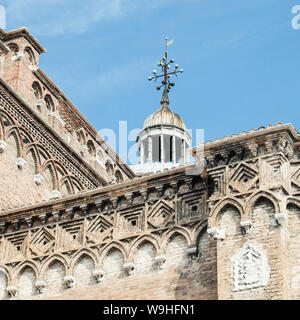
{"x":250,"y":268}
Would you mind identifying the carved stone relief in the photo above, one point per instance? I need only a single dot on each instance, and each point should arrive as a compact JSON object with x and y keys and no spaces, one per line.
{"x":250,"y":268}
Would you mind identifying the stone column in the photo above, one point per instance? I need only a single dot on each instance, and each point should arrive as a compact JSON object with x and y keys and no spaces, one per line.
{"x":142,"y":155}
{"x":162,"y":149}
{"x":174,"y":149}
{"x":184,"y":152}
{"x":150,"y":148}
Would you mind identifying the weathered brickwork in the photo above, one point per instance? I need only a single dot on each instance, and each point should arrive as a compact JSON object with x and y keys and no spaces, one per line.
{"x":77,"y":223}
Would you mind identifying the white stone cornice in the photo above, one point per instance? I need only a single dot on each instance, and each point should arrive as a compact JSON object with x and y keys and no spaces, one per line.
{"x":129,"y":268}
{"x":160,"y":261}
{"x":69,"y":281}
{"x":20,"y":162}
{"x":192,"y":253}
{"x":40,"y":286}
{"x":247,"y":226}
{"x":38,"y":179}
{"x":55,"y":194}
{"x":281,"y":218}
{"x":58,"y":117}
{"x":216,"y":233}
{"x":99,"y":275}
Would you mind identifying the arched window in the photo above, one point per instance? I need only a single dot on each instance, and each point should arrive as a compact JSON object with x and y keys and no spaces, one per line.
{"x":37,"y":90}
{"x":91,"y":148}
{"x":109,"y":168}
{"x":30,"y":55}
{"x":49,"y":103}
{"x":13,"y":47}
{"x":119,"y":176}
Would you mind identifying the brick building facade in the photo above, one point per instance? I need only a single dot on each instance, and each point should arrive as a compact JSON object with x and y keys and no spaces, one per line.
{"x":77,"y":223}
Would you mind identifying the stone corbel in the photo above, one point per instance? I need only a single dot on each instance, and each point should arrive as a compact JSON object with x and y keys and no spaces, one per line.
{"x":114,"y":203}
{"x":192,"y":253}
{"x":20,"y":163}
{"x":3,"y":145}
{"x":33,"y":67}
{"x":253,"y":148}
{"x":112,"y":179}
{"x":84,"y":207}
{"x":12,"y":292}
{"x":160,"y":261}
{"x":55,"y":195}
{"x":83,"y":149}
{"x":281,"y":218}
{"x":69,"y":212}
{"x":129,"y":268}
{"x":247,"y":226}
{"x":129,"y":198}
{"x":99,"y":275}
{"x":269,"y":146}
{"x":144,"y":194}
{"x":40,"y":286}
{"x":18,"y":56}
{"x":216,"y":233}
{"x":160,"y":190}
{"x":69,"y":281}
{"x":41,"y":103}
{"x":38,"y":179}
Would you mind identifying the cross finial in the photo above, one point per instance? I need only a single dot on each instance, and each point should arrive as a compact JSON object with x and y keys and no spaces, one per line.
{"x":165,"y":66}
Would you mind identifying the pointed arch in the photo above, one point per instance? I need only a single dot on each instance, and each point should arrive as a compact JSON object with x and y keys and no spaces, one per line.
{"x":28,"y":51}
{"x":79,"y":255}
{"x":14,"y":131}
{"x":32,"y":147}
{"x":139,"y":242}
{"x":212,"y":218}
{"x":111,"y":246}
{"x":198,"y":230}
{"x":49,"y":165}
{"x":256,"y":196}
{"x":8,"y":272}
{"x":52,"y":259}
{"x":293,"y":201}
{"x":24,"y":265}
{"x":172,"y":233}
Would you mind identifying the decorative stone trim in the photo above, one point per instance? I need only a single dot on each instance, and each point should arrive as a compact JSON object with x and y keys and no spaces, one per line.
{"x":3,"y":145}
{"x":83,"y":148}
{"x":216,"y":233}
{"x":99,"y":275}
{"x":41,"y":103}
{"x":160,"y":262}
{"x":129,"y":268}
{"x":12,"y":292}
{"x":18,"y":56}
{"x":58,"y":117}
{"x":281,"y":218}
{"x":69,"y":281}
{"x":33,"y":67}
{"x":38,"y":179}
{"x":247,"y":226}
{"x":20,"y":163}
{"x":192,"y":253}
{"x":40,"y":286}
{"x":55,"y":195}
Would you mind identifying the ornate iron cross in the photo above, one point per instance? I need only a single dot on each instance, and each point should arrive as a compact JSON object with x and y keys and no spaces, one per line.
{"x":165,"y":66}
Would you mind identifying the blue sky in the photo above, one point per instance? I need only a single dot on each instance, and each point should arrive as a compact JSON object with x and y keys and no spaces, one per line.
{"x":241,"y":59}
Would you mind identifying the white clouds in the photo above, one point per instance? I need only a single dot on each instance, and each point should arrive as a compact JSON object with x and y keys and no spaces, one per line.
{"x":122,"y":77}
{"x":56,"y":17}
